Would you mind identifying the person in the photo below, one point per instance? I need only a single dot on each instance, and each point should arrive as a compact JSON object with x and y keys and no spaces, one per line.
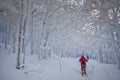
{"x":87,"y":57}
{"x":83,"y":61}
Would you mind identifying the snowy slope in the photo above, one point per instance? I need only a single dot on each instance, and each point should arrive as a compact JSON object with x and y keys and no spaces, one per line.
{"x":54,"y":69}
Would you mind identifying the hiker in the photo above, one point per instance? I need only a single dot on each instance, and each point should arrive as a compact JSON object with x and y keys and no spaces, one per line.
{"x":87,"y":57}
{"x":83,"y":61}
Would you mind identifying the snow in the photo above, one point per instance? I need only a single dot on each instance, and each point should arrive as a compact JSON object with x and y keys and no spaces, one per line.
{"x":54,"y":69}
{"x":106,"y":72}
{"x":54,"y":28}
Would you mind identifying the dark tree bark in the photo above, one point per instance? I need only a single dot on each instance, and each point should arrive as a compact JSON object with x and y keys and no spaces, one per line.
{"x":20,"y":35}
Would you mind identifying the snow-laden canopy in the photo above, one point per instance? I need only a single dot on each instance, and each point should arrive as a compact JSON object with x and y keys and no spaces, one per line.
{"x":62,"y":27}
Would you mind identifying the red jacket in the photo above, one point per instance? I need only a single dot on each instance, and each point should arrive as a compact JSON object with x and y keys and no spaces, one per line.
{"x":83,"y":59}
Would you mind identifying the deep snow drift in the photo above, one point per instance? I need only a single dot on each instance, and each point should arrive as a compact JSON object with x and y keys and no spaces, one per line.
{"x":54,"y":69}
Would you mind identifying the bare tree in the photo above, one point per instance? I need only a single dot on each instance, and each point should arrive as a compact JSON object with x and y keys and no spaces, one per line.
{"x":24,"y":30}
{"x":23,"y":21}
{"x":32,"y":33}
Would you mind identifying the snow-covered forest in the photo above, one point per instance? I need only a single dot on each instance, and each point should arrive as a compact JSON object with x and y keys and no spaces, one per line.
{"x":33,"y":30}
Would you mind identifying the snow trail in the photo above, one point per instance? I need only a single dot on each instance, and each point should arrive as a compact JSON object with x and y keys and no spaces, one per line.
{"x":55,"y":69}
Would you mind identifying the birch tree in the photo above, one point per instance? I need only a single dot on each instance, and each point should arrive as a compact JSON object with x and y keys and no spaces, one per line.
{"x":22,"y":27}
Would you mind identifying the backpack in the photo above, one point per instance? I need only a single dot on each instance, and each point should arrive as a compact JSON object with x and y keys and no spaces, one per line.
{"x":83,"y":63}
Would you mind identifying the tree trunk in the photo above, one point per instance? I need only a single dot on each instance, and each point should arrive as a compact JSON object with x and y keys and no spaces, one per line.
{"x":32,"y":40}
{"x":6,"y":34}
{"x":20,"y":35}
{"x":14,"y":41}
{"x":24,"y":30}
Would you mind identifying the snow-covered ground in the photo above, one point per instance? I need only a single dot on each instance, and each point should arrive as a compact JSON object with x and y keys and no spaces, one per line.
{"x":54,"y":69}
